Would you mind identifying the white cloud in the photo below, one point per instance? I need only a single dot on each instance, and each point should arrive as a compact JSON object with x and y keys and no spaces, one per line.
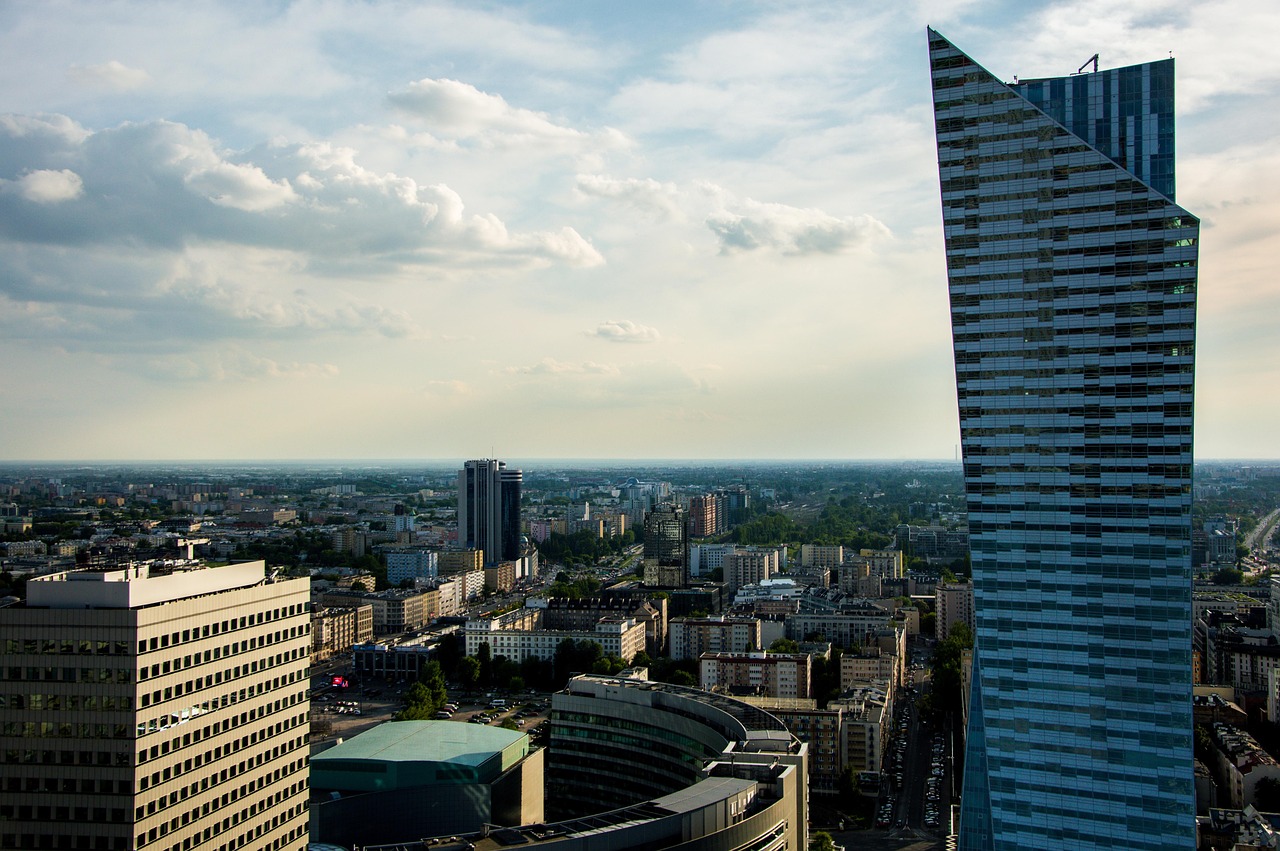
{"x":45,"y":186}
{"x":626,"y":331}
{"x":164,"y":184}
{"x":551,"y":366}
{"x":1225,"y":47}
{"x":455,"y":110}
{"x":113,"y":75}
{"x":741,"y":224}
{"x":647,"y":195}
{"x":234,"y":365}
{"x":749,"y":225}
{"x":241,"y":187}
{"x":447,"y":387}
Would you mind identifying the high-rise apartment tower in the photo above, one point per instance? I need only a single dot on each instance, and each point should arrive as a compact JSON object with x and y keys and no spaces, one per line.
{"x":489,"y":509}
{"x":1072,"y":276}
{"x":666,"y":547}
{"x":150,"y":708}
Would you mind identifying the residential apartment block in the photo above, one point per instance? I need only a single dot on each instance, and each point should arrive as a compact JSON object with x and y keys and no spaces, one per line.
{"x":749,"y":567}
{"x":953,"y":603}
{"x":410,"y":564}
{"x":337,"y":629}
{"x":691,"y":637}
{"x":760,"y":673}
{"x":519,"y":634}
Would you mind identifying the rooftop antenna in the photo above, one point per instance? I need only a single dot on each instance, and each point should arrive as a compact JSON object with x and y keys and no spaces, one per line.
{"x":1091,"y":60}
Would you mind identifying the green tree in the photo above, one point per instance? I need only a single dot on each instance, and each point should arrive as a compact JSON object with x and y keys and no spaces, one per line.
{"x":608,"y":665}
{"x":683,"y":678}
{"x":424,"y":698}
{"x":947,"y":657}
{"x":1267,"y":795}
{"x":468,"y":671}
{"x":820,"y":840}
{"x":784,"y":645}
{"x":449,"y":651}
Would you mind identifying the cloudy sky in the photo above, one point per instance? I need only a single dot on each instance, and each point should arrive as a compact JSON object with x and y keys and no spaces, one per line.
{"x":334,"y":229}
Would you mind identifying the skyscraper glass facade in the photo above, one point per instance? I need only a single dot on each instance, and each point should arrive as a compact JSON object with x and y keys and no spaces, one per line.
{"x":1072,"y":277}
{"x":489,"y":509}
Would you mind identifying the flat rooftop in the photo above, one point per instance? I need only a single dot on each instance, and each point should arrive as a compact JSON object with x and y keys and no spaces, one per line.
{"x":424,"y":741}
{"x":143,"y":584}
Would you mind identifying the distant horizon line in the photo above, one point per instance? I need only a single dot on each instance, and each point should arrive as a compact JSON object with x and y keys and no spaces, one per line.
{"x":614,"y":461}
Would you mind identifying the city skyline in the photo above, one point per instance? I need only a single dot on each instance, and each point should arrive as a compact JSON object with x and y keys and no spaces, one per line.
{"x":370,"y":231}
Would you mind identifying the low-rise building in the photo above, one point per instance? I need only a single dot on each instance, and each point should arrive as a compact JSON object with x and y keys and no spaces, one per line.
{"x":583,"y":614}
{"x":760,"y":673}
{"x":519,"y":635}
{"x":411,"y":563}
{"x":1240,"y":764}
{"x":866,"y":727}
{"x":408,"y":779}
{"x":336,"y":629}
{"x":459,"y":561}
{"x":394,"y":611}
{"x":850,"y":629}
{"x":691,"y":637}
{"x":500,"y":577}
{"x":393,"y":659}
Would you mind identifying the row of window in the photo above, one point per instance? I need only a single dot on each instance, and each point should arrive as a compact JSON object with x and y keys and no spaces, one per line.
{"x":1078,"y":491}
{"x":66,"y":646}
{"x":235,"y":793}
{"x":162,"y":642}
{"x":216,"y":828}
{"x":198,"y":734}
{"x":64,"y":730}
{"x":45,"y":673}
{"x":179,"y":663}
{"x":33,"y":756}
{"x":70,"y":702}
{"x":173,"y":719}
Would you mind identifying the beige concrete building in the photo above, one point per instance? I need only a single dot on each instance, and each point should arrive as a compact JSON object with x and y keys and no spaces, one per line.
{"x":887,"y":564}
{"x":749,"y":567}
{"x":460,"y":561}
{"x":519,"y":634}
{"x":394,"y":611}
{"x":820,"y":728}
{"x":866,"y":727}
{"x":762,"y":673}
{"x":691,"y":637}
{"x":953,"y":603}
{"x":500,"y":577}
{"x":338,"y":629}
{"x":815,"y":555}
{"x":157,"y":708}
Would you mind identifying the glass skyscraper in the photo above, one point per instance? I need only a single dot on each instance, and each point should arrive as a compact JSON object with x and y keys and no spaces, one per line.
{"x":1072,"y":277}
{"x":489,"y":509}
